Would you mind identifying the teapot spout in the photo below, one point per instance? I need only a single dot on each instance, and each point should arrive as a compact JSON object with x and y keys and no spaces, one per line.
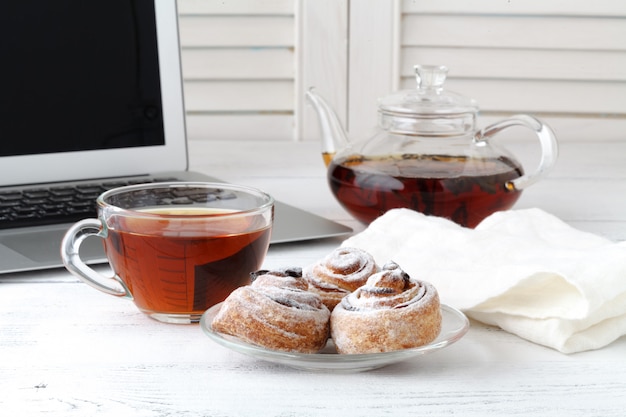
{"x":334,"y":137}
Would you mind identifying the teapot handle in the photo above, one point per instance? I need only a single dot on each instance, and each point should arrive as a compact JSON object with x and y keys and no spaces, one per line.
{"x":547,"y":139}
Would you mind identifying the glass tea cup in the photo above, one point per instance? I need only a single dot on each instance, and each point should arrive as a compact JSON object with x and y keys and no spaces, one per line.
{"x":175,"y":248}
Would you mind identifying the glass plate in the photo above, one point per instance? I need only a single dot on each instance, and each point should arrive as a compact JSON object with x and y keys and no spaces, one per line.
{"x":454,"y":326}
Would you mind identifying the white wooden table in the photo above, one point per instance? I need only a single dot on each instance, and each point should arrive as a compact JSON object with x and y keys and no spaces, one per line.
{"x":68,"y":350}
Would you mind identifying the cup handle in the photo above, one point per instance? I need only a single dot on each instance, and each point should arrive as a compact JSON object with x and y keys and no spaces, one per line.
{"x":71,"y":258}
{"x":547,"y":139}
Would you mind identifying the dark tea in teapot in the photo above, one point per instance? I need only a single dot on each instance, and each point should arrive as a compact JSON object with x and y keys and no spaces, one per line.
{"x":462,"y":189}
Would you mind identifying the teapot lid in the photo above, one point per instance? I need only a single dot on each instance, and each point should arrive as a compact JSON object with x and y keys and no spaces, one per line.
{"x":428,"y":109}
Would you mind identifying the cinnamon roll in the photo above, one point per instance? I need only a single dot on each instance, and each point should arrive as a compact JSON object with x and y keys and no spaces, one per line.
{"x":339,"y":273}
{"x":390,"y":312}
{"x":276,"y":312}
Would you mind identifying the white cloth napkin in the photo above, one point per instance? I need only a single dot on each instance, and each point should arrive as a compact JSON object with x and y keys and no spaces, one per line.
{"x":525,"y":271}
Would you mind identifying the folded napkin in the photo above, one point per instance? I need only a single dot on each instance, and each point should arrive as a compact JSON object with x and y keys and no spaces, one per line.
{"x":525,"y":271}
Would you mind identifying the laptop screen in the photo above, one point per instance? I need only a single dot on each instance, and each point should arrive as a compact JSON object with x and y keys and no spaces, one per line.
{"x":89,"y":89}
{"x":85,"y":70}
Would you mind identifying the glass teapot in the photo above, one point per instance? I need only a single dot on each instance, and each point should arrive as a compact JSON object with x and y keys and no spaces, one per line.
{"x":428,"y":156}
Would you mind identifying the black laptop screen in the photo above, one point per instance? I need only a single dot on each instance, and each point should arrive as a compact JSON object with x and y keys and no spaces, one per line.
{"x":78,"y":75}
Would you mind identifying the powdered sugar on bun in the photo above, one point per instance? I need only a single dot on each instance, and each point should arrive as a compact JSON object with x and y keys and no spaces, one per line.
{"x":339,"y":273}
{"x":277,"y":312}
{"x":389,"y":312}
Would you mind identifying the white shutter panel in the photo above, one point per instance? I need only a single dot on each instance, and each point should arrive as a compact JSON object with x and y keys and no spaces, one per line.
{"x":563,"y":61}
{"x":247,"y":63}
{"x":238,"y":60}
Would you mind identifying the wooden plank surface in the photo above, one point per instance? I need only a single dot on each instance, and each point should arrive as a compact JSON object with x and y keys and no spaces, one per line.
{"x":236,"y":7}
{"x":238,"y":63}
{"x":244,"y":96}
{"x":236,"y":31}
{"x":527,"y":7}
{"x":514,"y":31}
{"x":526,"y":64}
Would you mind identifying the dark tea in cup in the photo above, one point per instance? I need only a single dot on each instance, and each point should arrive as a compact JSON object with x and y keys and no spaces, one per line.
{"x":176,"y":249}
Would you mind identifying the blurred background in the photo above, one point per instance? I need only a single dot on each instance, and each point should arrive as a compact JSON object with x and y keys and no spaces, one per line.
{"x":247,"y":63}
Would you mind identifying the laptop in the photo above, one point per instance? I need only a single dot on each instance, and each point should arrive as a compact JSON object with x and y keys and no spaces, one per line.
{"x":90,"y":95}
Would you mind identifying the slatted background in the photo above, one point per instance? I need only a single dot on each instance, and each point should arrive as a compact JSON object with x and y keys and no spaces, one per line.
{"x":238,"y":61}
{"x":564,"y":61}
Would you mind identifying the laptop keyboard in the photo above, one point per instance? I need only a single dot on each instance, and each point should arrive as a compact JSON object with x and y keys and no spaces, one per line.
{"x":55,"y":204}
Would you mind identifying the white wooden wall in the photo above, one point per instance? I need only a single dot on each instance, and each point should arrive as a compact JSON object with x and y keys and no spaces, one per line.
{"x":238,"y":62}
{"x":247,"y":63}
{"x":564,"y":61}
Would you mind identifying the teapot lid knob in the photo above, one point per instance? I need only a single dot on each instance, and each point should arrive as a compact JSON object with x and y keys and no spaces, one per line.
{"x":430,"y":76}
